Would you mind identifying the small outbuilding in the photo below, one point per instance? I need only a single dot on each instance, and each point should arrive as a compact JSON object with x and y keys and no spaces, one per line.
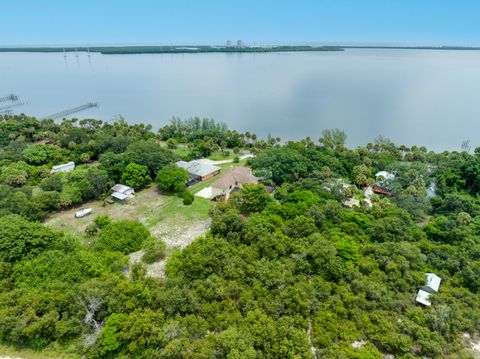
{"x":432,"y":286}
{"x":66,"y":167}
{"x":122,"y":192}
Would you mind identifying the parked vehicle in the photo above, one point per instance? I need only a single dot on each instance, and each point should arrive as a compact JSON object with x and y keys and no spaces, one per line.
{"x":82,"y":212}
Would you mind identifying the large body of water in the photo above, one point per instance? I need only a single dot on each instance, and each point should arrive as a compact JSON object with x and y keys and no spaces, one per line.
{"x":417,"y":97}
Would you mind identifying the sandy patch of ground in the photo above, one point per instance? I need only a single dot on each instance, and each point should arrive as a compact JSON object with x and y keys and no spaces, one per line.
{"x":175,"y":238}
{"x":181,"y":235}
{"x":368,"y":195}
{"x":473,"y":343}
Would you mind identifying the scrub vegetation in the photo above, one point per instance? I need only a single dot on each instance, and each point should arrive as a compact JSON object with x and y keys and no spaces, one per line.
{"x":296,"y":274}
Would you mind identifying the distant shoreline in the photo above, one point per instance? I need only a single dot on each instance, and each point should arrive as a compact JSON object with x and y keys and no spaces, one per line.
{"x":123,"y":50}
{"x":194,"y":49}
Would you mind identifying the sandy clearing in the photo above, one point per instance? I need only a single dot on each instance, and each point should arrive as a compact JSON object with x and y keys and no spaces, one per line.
{"x":175,"y":238}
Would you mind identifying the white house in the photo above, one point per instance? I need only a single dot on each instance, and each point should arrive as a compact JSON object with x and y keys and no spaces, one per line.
{"x":66,"y":167}
{"x":432,"y":286}
{"x":122,"y":192}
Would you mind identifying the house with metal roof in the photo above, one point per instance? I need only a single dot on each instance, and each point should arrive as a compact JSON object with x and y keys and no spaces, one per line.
{"x":122,"y":192}
{"x":199,"y":171}
{"x":66,"y":167}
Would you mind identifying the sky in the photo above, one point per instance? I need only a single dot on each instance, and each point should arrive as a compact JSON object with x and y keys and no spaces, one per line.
{"x":115,"y":22}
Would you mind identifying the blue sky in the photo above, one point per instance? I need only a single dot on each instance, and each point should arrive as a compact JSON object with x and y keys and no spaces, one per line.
{"x":89,"y":22}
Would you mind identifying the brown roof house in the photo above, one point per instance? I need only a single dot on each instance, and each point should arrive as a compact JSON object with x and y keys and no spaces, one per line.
{"x":232,"y":181}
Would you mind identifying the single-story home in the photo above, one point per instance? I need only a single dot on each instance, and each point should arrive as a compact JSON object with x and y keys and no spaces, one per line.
{"x":432,"y":286}
{"x":66,"y":167}
{"x":232,"y":181}
{"x":122,"y":192}
{"x":199,"y":171}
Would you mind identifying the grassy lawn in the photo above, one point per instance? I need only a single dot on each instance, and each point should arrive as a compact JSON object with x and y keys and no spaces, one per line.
{"x":181,"y":151}
{"x":162,"y":215}
{"x":219,"y":156}
{"x":166,"y":217}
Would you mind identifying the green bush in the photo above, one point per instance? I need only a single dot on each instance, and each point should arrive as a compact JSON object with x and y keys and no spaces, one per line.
{"x":154,"y":251}
{"x":135,"y":176}
{"x":20,"y":238}
{"x":188,"y":198}
{"x":123,"y":236}
{"x":102,"y":221}
{"x":172,"y":179}
{"x":91,"y":230}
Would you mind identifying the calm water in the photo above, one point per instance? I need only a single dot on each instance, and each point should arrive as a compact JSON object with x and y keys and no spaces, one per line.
{"x":413,"y":97}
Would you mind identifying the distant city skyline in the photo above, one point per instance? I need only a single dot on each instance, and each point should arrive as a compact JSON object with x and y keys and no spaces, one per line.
{"x":345,"y":22}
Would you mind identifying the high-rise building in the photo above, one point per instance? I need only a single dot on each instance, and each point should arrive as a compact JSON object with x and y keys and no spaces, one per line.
{"x":239,"y":43}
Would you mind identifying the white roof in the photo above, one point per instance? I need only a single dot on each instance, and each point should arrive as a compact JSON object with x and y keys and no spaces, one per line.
{"x":433,"y":283}
{"x":84,"y":210}
{"x":69,"y":164}
{"x":121,"y":188}
{"x":385,"y":174}
{"x":422,"y":298}
{"x":197,"y":168}
{"x":119,"y":195}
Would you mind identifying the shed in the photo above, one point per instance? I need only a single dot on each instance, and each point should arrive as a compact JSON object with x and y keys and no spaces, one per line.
{"x":422,"y":298}
{"x":122,"y":192}
{"x":432,"y":286}
{"x":433,"y":283}
{"x":66,"y":167}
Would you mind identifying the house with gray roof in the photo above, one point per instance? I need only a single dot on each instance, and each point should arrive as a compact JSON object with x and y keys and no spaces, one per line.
{"x":199,"y":171}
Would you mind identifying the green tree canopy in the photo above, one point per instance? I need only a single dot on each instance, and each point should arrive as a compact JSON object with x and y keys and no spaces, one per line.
{"x":136,"y":176}
{"x":123,"y":236}
{"x":172,"y":179}
{"x":20,"y":238}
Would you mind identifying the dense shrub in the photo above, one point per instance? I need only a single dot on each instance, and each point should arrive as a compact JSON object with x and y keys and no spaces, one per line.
{"x":188,"y":198}
{"x":123,"y":236}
